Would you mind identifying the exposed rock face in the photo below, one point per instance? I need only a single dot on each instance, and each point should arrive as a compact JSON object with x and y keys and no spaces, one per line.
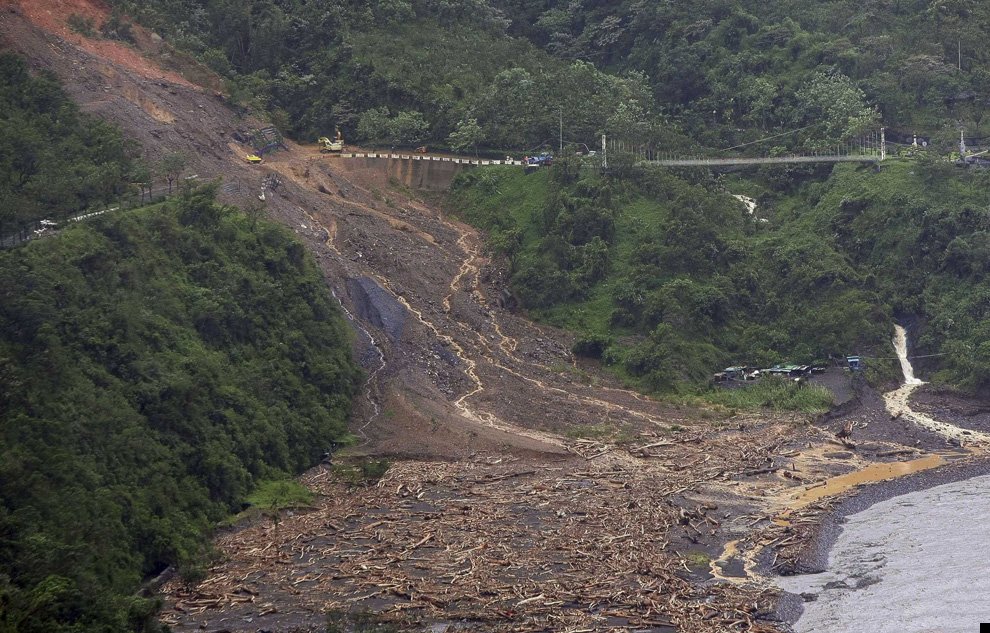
{"x":374,"y":305}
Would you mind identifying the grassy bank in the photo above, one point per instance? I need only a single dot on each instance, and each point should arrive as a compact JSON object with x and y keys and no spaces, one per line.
{"x":666,"y":278}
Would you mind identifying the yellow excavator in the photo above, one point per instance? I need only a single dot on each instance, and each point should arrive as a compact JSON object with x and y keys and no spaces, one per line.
{"x":336,"y":145}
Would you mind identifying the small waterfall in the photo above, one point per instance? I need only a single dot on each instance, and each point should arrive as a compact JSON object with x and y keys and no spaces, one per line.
{"x":746,"y":200}
{"x":900,"y":345}
{"x":898,"y":401}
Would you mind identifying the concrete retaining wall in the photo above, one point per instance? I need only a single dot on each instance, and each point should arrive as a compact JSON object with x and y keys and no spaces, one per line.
{"x":416,"y":171}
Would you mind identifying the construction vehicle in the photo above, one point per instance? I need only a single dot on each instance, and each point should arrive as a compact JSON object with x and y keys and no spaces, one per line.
{"x":254,"y":159}
{"x":977,"y":159}
{"x":327,"y":146}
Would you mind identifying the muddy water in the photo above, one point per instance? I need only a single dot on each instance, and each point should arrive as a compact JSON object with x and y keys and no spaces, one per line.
{"x":897,"y":401}
{"x":746,"y":560}
{"x":900,"y":346}
{"x":912,"y":563}
{"x":870,"y":474}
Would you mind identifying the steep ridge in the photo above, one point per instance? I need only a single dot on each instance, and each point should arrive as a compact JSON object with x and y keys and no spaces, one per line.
{"x":458,"y":357}
{"x":489,"y":365}
{"x":557,"y":531}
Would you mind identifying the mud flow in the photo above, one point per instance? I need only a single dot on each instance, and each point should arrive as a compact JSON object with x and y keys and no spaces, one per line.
{"x":527,"y":491}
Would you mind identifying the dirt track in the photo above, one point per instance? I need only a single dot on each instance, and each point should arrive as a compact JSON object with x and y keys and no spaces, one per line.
{"x":527,"y":525}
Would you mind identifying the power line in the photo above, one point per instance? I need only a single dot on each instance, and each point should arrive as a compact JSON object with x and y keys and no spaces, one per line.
{"x":770,"y":137}
{"x":908,"y":357}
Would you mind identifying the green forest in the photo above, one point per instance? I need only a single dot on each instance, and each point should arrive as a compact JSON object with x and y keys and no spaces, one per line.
{"x":154,"y":367}
{"x":757,"y":65}
{"x":159,"y":365}
{"x":54,"y":162}
{"x":505,"y":74}
{"x":667,"y":277}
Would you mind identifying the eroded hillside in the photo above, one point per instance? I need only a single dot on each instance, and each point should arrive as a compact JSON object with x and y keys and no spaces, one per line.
{"x":528,"y":491}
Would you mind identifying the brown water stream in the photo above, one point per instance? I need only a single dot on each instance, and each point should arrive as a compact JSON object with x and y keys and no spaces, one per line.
{"x":897,"y":403}
{"x":870,"y":474}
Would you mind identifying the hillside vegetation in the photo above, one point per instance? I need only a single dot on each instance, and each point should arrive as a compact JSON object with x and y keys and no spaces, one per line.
{"x":671,"y":259}
{"x":727,"y":70}
{"x":54,"y":161}
{"x":504,"y":73}
{"x":397,"y":72}
{"x":920,"y":232}
{"x":154,"y":367}
{"x":160,"y":366}
{"x":669,"y":278}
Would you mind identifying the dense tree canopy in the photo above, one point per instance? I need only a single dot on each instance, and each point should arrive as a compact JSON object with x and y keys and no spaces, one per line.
{"x":725,"y":67}
{"x":53,"y":160}
{"x":396,"y":71}
{"x":722,"y":72}
{"x":670,"y":277}
{"x":153,"y":368}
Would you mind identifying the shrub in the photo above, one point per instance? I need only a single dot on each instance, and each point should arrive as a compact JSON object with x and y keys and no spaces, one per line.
{"x":82,"y":25}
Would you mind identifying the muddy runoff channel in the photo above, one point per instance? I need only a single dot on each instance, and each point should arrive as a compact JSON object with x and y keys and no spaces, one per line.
{"x":899,"y":556}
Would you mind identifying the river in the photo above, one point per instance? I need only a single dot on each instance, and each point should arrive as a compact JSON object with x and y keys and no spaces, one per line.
{"x":912,"y":564}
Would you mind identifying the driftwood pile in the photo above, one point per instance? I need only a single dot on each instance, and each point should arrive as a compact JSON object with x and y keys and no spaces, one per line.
{"x":497,"y":542}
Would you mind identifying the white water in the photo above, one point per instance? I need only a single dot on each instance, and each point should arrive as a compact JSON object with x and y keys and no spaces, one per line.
{"x":381,"y":363}
{"x":900,"y":345}
{"x":918,"y":560}
{"x":746,"y":200}
{"x":913,"y":563}
{"x":898,"y":401}
{"x":750,"y":205}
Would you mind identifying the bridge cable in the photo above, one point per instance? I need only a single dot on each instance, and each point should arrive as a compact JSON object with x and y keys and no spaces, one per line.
{"x":769,"y":137}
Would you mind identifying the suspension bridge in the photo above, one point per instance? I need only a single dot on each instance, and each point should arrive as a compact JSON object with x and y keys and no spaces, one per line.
{"x":869,"y":148}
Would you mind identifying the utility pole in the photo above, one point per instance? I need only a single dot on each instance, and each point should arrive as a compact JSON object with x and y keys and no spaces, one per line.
{"x":883,"y":143}
{"x":561,"y":149}
{"x":959,"y":44}
{"x":604,"y":153}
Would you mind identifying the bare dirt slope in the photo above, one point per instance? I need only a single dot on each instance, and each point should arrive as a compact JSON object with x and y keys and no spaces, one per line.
{"x":457,"y":366}
{"x":526,"y":492}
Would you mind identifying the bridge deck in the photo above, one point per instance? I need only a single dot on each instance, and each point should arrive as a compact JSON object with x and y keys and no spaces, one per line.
{"x":775,"y":160}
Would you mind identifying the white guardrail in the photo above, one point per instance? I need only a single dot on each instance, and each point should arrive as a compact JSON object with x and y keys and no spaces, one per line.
{"x":443,"y":159}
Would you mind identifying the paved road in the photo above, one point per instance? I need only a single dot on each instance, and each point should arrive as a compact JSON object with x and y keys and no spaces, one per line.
{"x":9,"y":241}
